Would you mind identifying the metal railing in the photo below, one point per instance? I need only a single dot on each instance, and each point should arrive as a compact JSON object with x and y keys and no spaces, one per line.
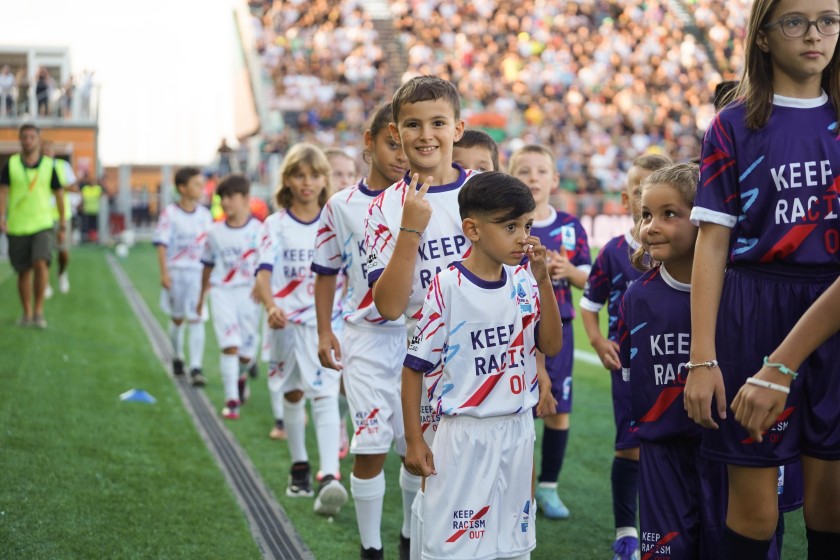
{"x":77,"y":106}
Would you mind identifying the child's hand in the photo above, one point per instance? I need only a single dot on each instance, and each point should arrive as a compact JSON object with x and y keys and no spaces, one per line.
{"x":608,"y":352}
{"x":536,"y":253}
{"x":165,"y":281}
{"x":547,"y":405}
{"x":559,"y":265}
{"x":419,"y":460}
{"x":417,"y":211}
{"x":328,"y":346}
{"x":200,"y":307}
{"x":276,"y":318}
{"x":757,"y":408}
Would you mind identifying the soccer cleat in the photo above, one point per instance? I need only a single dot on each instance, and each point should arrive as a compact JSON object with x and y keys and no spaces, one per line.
{"x":197,"y":378}
{"x":244,"y":390}
{"x":331,"y":496}
{"x":405,"y":548}
{"x":344,"y":442}
{"x":24,"y":322}
{"x":550,"y":504}
{"x":278,"y":431}
{"x":253,"y":372}
{"x":626,"y":548}
{"x":39,"y":321}
{"x":48,"y":292}
{"x":300,"y":485}
{"x":177,"y":367}
{"x":371,"y":554}
{"x":231,"y":410}
{"x":63,"y":283}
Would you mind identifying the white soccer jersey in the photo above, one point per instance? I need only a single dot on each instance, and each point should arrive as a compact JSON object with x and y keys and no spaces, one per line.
{"x":232,"y":252}
{"x":443,"y":241}
{"x":475,"y":342}
{"x":340,"y":244}
{"x":286,"y":249}
{"x":183,"y":234}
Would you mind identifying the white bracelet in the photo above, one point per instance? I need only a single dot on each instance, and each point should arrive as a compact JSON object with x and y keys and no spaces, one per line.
{"x":768,"y":385}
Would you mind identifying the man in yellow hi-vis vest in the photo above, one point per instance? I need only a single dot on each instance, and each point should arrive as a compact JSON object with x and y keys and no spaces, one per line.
{"x":91,"y":196}
{"x":27,"y":182}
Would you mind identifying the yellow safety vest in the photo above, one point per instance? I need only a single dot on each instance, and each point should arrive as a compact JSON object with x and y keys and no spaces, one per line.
{"x":29,"y":196}
{"x":90,"y":199}
{"x":216,"y":208}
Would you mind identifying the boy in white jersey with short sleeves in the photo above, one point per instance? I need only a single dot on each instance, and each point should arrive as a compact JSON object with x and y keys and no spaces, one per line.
{"x":230,"y":263}
{"x":180,"y":236}
{"x":475,"y":344}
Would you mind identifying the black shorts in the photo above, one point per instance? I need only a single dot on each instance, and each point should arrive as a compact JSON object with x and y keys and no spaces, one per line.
{"x":24,"y":250}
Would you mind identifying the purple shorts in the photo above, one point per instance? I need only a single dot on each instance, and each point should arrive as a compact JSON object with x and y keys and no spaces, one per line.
{"x":758,"y":308}
{"x":682,"y":501}
{"x":625,"y":434}
{"x":559,"y":369}
{"x":790,"y":487}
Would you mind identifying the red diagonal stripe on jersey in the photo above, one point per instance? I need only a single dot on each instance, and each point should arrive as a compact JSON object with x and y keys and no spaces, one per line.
{"x":367,"y":300}
{"x":527,"y":320}
{"x":369,"y":417}
{"x":325,"y":240}
{"x":666,"y":398}
{"x":519,"y":340}
{"x":288,"y":288}
{"x":661,"y":542}
{"x":459,"y":533}
{"x":789,"y":243}
{"x":782,"y":417}
{"x":479,"y":396}
{"x":722,"y":168}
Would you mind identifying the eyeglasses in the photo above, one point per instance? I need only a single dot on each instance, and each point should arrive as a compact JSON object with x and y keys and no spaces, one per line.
{"x":794,"y":27}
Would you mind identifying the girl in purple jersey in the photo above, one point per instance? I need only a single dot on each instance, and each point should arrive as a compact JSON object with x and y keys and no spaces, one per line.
{"x":773,"y":230}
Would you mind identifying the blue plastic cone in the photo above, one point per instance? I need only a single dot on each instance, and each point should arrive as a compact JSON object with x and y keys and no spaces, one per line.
{"x":138,"y":395}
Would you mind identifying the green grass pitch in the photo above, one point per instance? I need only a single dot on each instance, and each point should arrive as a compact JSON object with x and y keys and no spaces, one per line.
{"x":87,"y":476}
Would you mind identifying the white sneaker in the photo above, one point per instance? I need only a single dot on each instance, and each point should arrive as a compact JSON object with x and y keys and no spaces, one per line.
{"x":63,"y":283}
{"x":331,"y":497}
{"x":48,"y":292}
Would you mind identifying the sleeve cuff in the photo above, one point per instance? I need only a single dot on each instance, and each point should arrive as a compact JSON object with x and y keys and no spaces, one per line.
{"x":587,"y":268}
{"x":417,"y":364}
{"x":323,"y":270}
{"x":211,"y":264}
{"x":159,"y":244}
{"x":590,"y":305}
{"x":373,"y":276}
{"x":700,"y":215}
{"x":265,"y":266}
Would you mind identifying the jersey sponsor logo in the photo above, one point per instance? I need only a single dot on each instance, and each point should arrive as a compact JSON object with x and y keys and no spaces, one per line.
{"x":414,"y":343}
{"x":468,"y":522}
{"x":372,"y":259}
{"x":568,"y":238}
{"x":522,"y":299}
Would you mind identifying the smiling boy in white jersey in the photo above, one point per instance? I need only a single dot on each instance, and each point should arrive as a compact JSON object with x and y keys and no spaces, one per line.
{"x":475,"y":344}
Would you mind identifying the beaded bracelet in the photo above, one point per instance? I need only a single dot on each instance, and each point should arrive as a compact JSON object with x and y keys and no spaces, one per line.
{"x":409,"y":230}
{"x":781,"y":367}
{"x":768,"y":385}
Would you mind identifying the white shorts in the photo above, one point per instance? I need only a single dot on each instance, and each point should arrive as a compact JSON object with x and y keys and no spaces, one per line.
{"x":372,"y":361}
{"x":235,"y":319}
{"x":294,"y":366}
{"x":479,"y":504}
{"x":429,"y":420}
{"x":181,"y":299}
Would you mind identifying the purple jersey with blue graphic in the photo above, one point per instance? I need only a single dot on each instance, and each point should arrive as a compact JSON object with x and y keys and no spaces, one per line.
{"x":776,"y":186}
{"x":475,"y":342}
{"x":654,"y":329}
{"x":609,"y":278}
{"x":564,"y":230}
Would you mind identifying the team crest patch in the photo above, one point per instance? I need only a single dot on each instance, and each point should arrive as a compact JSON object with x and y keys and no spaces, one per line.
{"x":568,"y":238}
{"x":522,"y":299}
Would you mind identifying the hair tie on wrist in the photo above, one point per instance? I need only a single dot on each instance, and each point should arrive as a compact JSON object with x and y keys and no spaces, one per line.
{"x":409,"y":230}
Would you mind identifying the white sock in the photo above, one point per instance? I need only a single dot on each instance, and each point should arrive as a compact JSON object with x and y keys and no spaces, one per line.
{"x":196,"y":344}
{"x":369,"y":496}
{"x":230,"y":368}
{"x":417,"y":526}
{"x":409,"y":484}
{"x":325,"y":416}
{"x":176,"y":337}
{"x":295,"y":429}
{"x":275,"y":392}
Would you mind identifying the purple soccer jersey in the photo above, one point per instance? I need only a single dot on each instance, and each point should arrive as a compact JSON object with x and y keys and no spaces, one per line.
{"x":564,"y":230}
{"x":611,"y":275}
{"x":776,"y":186}
{"x":654,"y":329}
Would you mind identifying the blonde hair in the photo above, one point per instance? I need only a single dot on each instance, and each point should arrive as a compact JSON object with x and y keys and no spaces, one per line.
{"x":681,"y":176}
{"x":531,"y":149}
{"x":303,"y":154}
{"x":755,"y":89}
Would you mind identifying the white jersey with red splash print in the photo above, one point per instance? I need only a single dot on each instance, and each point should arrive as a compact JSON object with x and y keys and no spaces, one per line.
{"x":340,"y":245}
{"x":183,"y":234}
{"x":232,"y":252}
{"x":443,"y":241}
{"x":475,"y":342}
{"x":286,"y":249}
